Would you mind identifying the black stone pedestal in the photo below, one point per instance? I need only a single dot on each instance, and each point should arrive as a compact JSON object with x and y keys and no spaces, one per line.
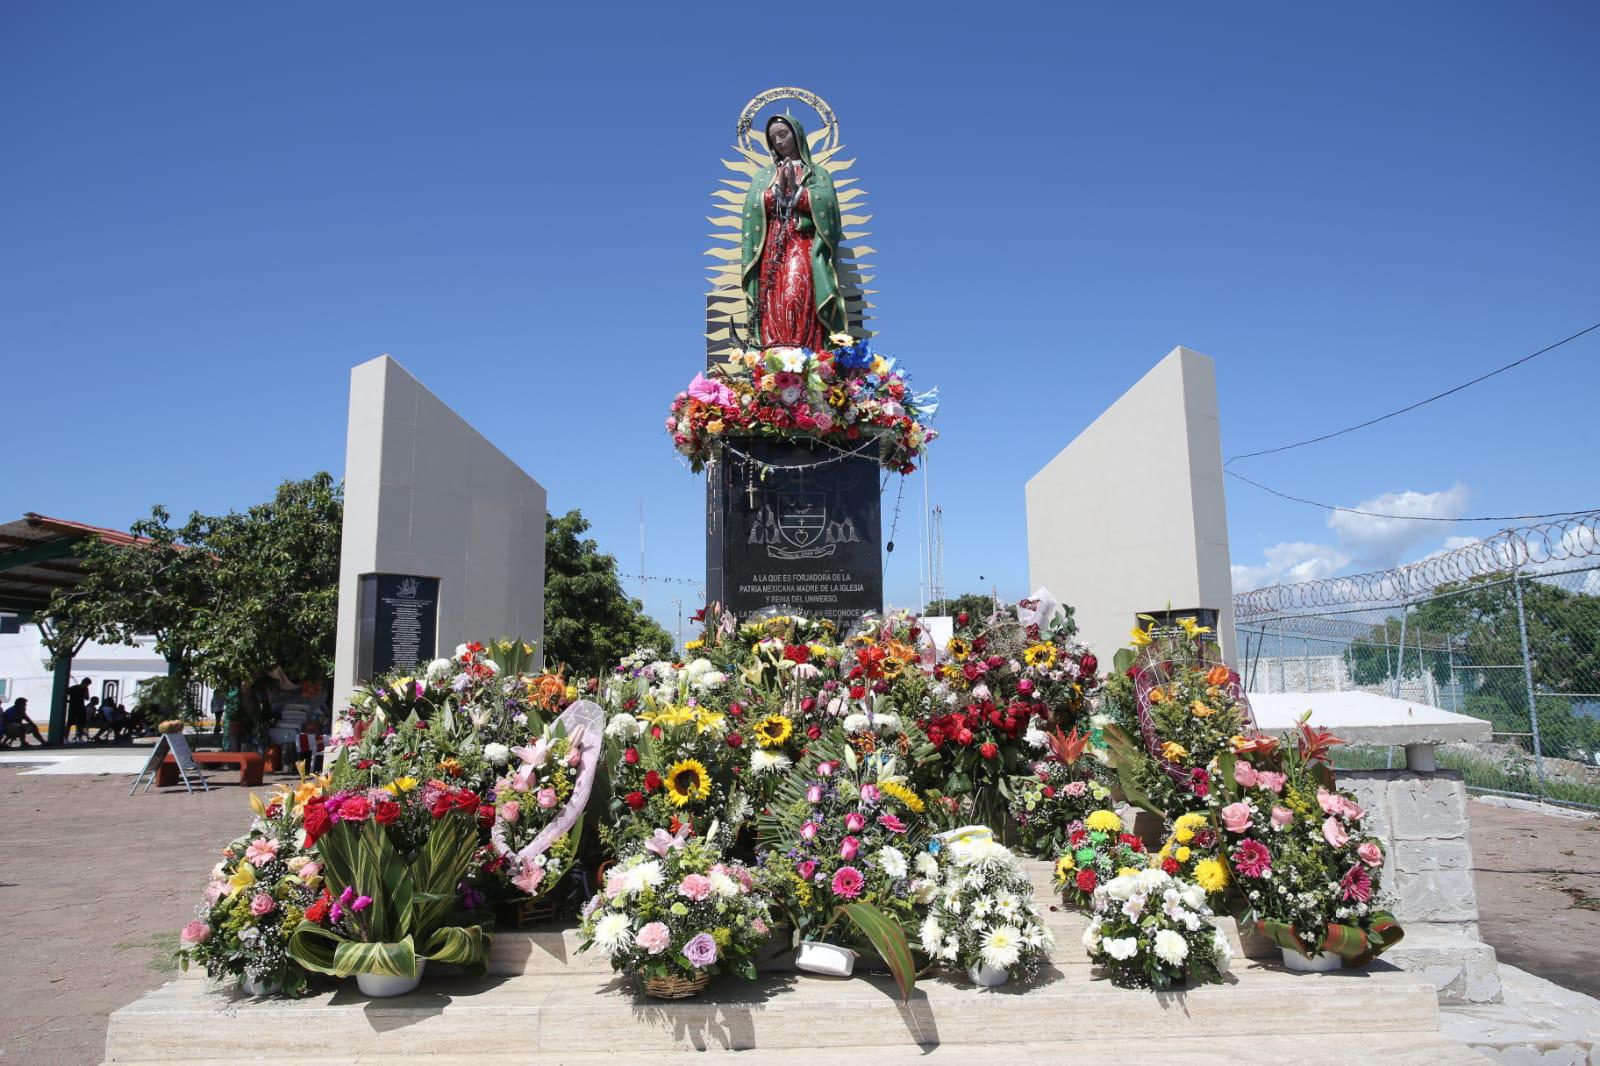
{"x":808,"y":537}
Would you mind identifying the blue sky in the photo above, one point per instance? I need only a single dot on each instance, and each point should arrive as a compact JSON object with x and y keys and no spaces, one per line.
{"x":209,"y":213}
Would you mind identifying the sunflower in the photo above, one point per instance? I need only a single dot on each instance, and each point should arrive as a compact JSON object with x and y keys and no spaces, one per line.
{"x":893,"y":668}
{"x":1041,"y":655}
{"x":773,"y":730}
{"x":908,"y":799}
{"x":687,"y":781}
{"x":958,"y":649}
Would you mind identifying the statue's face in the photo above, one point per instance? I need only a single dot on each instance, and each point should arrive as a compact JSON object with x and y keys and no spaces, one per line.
{"x":780,"y":138}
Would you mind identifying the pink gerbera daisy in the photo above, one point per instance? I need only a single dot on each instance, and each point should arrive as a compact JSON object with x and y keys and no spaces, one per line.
{"x":1252,"y":859}
{"x":848,"y":882}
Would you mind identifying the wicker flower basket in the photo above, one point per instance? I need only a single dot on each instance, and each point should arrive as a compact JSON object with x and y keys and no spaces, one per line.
{"x":676,"y":987}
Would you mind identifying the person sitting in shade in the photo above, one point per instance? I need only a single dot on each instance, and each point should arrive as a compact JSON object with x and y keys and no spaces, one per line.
{"x":18,"y":725}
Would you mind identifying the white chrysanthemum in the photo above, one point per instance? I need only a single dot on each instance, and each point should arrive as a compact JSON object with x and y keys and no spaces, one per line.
{"x":1224,"y":950}
{"x":1121,"y":948}
{"x":927,"y":866}
{"x":791,"y":360}
{"x":613,"y":933}
{"x":892,"y":862}
{"x":496,"y":754}
{"x":639,"y":877}
{"x":1170,"y":947}
{"x":952,"y":948}
{"x":886,"y":723}
{"x":1001,"y":947}
{"x":624,"y":726}
{"x":698,"y":668}
{"x":768,"y":762}
{"x":931,"y":935}
{"x":855,"y":723}
{"x":723,"y":885}
{"x":711,"y":682}
{"x":981,"y":853}
{"x":952,"y":899}
{"x":1035,"y":737}
{"x":923,"y":892}
{"x":437,"y":669}
{"x":738,"y":809}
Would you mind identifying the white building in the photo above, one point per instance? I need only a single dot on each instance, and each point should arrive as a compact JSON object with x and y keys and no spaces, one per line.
{"x":114,"y":669}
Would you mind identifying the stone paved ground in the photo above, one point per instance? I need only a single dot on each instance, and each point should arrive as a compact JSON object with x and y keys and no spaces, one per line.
{"x":93,"y":885}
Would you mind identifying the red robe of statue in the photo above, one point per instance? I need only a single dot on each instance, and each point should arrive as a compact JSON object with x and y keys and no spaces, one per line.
{"x":788,"y":302}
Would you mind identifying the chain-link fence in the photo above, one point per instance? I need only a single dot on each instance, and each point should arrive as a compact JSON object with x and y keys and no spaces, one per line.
{"x":1506,"y":629}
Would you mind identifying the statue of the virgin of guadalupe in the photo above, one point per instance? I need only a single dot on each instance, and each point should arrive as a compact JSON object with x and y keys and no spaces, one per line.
{"x":791,"y":232}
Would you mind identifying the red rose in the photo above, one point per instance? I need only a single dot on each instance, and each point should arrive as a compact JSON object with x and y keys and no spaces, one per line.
{"x":385,"y":812}
{"x":422,"y":724}
{"x":354,"y":809}
{"x":655,"y":732}
{"x":1170,"y":865}
{"x":631,"y":756}
{"x":1086,"y":880}
{"x":1088,"y":664}
{"x":440,"y":806}
{"x":808,"y":704}
{"x":961,"y":619}
{"x":858,"y":692}
{"x":964,"y":736}
{"x":736,"y":709}
{"x":989,"y":749}
{"x":486,"y":815}
{"x":797,"y":653}
{"x":634,"y":800}
{"x":813,"y":732}
{"x":652,"y":781}
{"x":466,"y":800}
{"x":735,"y":740}
{"x":317,"y":821}
{"x":1077,"y":837}
{"x":1049,"y":792}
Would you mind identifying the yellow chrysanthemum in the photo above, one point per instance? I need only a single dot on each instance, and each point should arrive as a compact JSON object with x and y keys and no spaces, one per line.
{"x":1211,"y":875}
{"x":1172,"y":751}
{"x":1064,"y":867}
{"x":1104,"y":822}
{"x":773,"y":730}
{"x":1183,"y":829}
{"x":1041,"y":655}
{"x":687,"y":782}
{"x":1182,"y":853}
{"x":958,"y":649}
{"x":909,"y":799}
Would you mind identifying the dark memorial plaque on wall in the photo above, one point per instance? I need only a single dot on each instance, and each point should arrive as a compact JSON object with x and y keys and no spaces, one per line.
{"x":1166,"y":621}
{"x":397,"y":623}
{"x":807,"y":537}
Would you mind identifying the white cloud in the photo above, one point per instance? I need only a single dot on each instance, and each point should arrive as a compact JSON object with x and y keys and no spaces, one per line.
{"x":1380,"y":542}
{"x":1290,"y":562}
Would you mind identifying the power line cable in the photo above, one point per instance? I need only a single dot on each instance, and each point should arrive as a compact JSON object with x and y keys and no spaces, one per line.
{"x":1414,"y":406}
{"x":1407,"y":517}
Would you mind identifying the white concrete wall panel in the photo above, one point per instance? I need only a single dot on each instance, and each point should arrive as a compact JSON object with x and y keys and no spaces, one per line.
{"x":426,"y":494}
{"x":1131,"y":516}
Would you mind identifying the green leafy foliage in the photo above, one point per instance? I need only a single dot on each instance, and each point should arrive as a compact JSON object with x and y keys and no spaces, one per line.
{"x":590,"y":623}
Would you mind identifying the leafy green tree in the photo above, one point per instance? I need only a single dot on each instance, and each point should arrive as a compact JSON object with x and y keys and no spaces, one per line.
{"x":976,"y":604}
{"x":1479,"y":619}
{"x":590,"y":623}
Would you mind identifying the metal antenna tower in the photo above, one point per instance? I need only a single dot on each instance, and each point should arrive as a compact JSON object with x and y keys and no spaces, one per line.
{"x":936,"y":551}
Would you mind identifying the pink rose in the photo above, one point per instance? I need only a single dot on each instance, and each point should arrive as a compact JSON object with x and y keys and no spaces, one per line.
{"x":1075,"y":789}
{"x":854,"y":822}
{"x":806,"y":869}
{"x":262,"y":904}
{"x":1281,"y":817}
{"x":196,"y":932}
{"x":814,"y":794}
{"x":870,"y":794}
{"x":310,"y":870}
{"x":695,"y":886}
{"x":261,"y":852}
{"x":1352,"y":809}
{"x":1370,"y":854}
{"x":1236,"y":817}
{"x":547,"y":798}
{"x":215,"y":890}
{"x":510,"y":811}
{"x":1270,"y":781}
{"x":1245,"y":775}
{"x":654,"y":937}
{"x":1329,"y":802}
{"x":826,"y":769}
{"x":1334,"y":833}
{"x":849,"y":847}
{"x":809,"y":831}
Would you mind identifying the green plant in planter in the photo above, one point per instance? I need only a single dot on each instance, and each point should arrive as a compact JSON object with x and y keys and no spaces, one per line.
{"x":381,"y":913}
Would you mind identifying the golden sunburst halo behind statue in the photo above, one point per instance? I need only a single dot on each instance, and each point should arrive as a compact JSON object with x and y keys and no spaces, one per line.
{"x":725,"y":303}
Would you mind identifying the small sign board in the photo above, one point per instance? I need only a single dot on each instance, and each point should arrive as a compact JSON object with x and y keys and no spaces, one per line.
{"x":188,"y":770}
{"x":1166,"y":624}
{"x":397,"y":623}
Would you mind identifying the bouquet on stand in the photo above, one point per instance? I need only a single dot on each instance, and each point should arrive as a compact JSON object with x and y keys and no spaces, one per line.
{"x":982,"y":919}
{"x":673,"y":913}
{"x":1151,"y":930}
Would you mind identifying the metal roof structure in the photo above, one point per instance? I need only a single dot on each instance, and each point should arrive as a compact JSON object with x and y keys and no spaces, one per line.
{"x":40,"y":554}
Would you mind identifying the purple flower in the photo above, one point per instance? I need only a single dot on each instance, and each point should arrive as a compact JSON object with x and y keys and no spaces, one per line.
{"x":701,"y":950}
{"x":361,"y":904}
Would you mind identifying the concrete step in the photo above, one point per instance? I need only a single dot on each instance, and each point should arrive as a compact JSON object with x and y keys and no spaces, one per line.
{"x":1394,"y":1049}
{"x":573,"y":1013}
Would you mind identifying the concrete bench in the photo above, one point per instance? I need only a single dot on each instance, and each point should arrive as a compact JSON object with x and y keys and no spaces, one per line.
{"x":251,"y":766}
{"x":1369,"y":719}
